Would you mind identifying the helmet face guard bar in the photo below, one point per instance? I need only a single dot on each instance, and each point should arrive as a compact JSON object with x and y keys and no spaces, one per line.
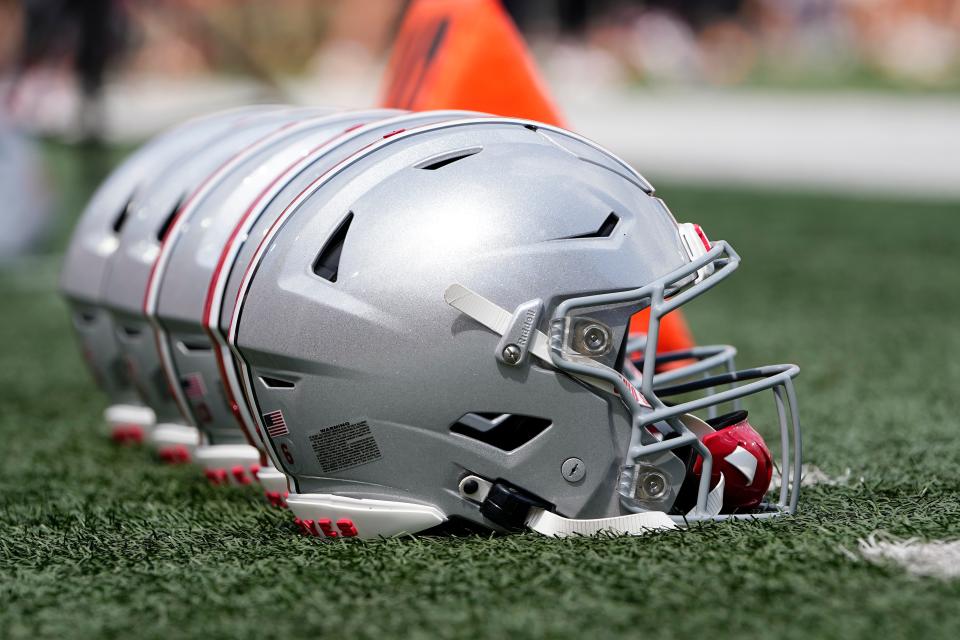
{"x":657,"y":427}
{"x":697,"y":361}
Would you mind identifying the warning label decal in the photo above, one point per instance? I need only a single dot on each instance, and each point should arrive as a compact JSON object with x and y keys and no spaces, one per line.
{"x":344,"y":445}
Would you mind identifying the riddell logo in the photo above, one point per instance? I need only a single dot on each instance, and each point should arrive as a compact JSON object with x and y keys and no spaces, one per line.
{"x":527,"y":328}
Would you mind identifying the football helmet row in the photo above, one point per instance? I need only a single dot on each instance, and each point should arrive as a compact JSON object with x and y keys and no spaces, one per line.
{"x":397,"y":320}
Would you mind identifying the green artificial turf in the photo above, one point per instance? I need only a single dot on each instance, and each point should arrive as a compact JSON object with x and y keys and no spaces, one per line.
{"x":98,"y":541}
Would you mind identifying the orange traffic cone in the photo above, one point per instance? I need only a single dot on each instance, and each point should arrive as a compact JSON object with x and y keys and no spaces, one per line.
{"x":465,"y":54}
{"x":674,"y":333}
{"x":468,"y":54}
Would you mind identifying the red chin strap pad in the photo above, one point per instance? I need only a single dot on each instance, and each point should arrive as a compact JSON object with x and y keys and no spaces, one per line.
{"x":740,"y":453}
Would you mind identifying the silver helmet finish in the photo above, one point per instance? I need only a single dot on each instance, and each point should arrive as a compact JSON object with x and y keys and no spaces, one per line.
{"x":264,"y":212}
{"x":454,"y":302}
{"x":152,"y":214}
{"x":193,"y":254}
{"x":94,"y":243}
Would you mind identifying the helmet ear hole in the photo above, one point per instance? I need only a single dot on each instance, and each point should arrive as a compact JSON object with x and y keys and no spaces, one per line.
{"x":727,"y":419}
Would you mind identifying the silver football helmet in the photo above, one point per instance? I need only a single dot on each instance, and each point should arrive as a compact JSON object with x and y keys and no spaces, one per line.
{"x":436,"y":329}
{"x":194,"y":256}
{"x":153,"y":213}
{"x":355,"y":131}
{"x":94,"y":243}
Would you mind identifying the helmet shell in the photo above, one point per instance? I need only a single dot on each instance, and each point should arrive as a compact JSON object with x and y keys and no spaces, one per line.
{"x":195,"y":254}
{"x":153,"y":215}
{"x":379,"y":370}
{"x":364,"y":131}
{"x":96,"y":236}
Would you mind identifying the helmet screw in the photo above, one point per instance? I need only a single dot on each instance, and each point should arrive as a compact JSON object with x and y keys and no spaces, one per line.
{"x":470,"y":487}
{"x":595,"y":338}
{"x":511,"y":354}
{"x":573,"y":469}
{"x":653,"y":484}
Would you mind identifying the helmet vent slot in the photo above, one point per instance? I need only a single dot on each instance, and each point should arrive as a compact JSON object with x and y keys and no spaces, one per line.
{"x":327,"y":264}
{"x":168,"y":221}
{"x":130,"y":331}
{"x":122,"y":216}
{"x":276,"y":383}
{"x":505,"y":431}
{"x":438,"y":162}
{"x":605,"y":230}
{"x":188,"y":346}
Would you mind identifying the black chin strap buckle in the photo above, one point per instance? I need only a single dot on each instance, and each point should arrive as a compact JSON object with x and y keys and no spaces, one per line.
{"x":509,"y":506}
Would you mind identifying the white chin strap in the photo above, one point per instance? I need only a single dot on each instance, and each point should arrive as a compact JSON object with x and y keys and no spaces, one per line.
{"x":554,"y":525}
{"x":634,"y":524}
{"x":714,"y":503}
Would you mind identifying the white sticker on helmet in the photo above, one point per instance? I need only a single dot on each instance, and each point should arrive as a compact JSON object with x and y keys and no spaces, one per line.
{"x":744,"y":462}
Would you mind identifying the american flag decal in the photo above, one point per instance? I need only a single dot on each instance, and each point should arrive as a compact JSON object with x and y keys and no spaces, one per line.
{"x":275,"y":424}
{"x":193,"y":385}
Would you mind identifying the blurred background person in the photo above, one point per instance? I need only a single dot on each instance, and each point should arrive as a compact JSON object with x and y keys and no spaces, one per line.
{"x":67,"y":40}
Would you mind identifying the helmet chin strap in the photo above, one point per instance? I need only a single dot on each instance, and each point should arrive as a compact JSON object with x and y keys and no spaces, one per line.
{"x":635,"y":524}
{"x":528,"y":512}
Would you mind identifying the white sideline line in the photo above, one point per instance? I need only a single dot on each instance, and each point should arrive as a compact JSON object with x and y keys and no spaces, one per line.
{"x":811,"y":475}
{"x":936,"y":559}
